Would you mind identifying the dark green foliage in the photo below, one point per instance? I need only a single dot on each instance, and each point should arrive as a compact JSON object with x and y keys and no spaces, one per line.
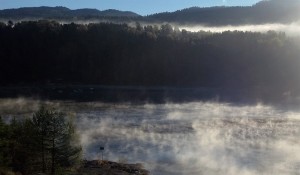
{"x":55,"y":137}
{"x":41,"y":144}
{"x":40,"y":122}
{"x":22,"y":144}
{"x":17,"y":146}
{"x":4,"y":144}
{"x":116,"y":54}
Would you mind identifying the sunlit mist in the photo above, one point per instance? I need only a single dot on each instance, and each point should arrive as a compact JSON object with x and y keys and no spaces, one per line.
{"x":292,"y":29}
{"x":187,"y":138}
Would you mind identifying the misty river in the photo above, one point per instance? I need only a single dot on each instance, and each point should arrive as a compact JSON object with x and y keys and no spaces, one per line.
{"x":196,"y":138}
{"x":192,"y":138}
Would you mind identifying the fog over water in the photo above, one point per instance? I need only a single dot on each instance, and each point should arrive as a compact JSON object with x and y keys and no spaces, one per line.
{"x":292,"y":29}
{"x":185,"y":138}
{"x":196,"y":138}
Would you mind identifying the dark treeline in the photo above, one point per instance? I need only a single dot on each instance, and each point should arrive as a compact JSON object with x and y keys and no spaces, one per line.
{"x":117,"y":54}
{"x":44,"y":143}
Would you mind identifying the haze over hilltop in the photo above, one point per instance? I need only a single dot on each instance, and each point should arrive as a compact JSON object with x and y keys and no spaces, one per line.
{"x":271,"y":11}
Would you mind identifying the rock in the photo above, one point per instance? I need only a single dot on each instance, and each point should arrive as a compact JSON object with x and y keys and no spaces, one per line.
{"x":97,"y":167}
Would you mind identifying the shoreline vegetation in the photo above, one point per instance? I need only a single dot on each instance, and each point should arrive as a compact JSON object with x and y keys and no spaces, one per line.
{"x":265,"y":65}
{"x":44,"y":143}
{"x":47,"y":144}
{"x":97,"y":167}
{"x":113,"y":56}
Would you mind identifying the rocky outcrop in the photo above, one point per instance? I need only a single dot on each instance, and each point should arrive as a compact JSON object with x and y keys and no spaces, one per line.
{"x":96,"y":167}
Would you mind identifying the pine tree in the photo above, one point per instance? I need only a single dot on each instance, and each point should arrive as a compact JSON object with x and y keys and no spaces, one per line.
{"x":40,"y":122}
{"x":20,"y":146}
{"x":56,"y":137}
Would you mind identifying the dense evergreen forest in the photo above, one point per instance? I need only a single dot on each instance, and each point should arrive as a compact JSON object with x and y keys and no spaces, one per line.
{"x":46,"y":52}
{"x":46,"y":143}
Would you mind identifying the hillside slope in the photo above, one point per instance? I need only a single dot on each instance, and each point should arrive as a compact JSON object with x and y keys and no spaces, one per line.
{"x":61,"y":13}
{"x":273,"y":11}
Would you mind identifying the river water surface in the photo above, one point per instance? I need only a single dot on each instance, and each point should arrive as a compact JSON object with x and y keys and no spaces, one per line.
{"x":209,"y":138}
{"x":195,"y":138}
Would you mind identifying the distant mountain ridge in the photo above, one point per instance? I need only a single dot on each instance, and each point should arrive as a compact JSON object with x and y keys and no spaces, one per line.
{"x":266,"y":11}
{"x":61,"y":13}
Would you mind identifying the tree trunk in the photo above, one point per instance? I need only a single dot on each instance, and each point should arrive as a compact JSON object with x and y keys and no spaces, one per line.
{"x":53,"y":157}
{"x":43,"y":156}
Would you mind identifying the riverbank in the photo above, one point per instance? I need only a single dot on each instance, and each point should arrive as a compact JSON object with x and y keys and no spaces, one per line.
{"x":97,"y":167}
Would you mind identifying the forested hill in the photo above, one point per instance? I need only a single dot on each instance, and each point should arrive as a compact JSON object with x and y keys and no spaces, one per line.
{"x":116,"y":54}
{"x":266,"y":11}
{"x":60,"y":13}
